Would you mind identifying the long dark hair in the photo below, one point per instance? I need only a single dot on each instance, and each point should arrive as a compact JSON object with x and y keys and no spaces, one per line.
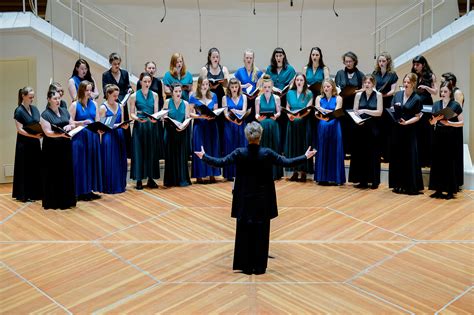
{"x":310,"y":60}
{"x":305,"y":84}
{"x":273,"y":63}
{"x":24,"y":92}
{"x":88,"y":76}
{"x":209,"y":54}
{"x":426,"y":71}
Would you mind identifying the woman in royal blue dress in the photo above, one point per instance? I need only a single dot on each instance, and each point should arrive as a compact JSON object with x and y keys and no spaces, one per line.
{"x":86,"y":145}
{"x":113,"y":147}
{"x":282,"y":74}
{"x":178,"y":74}
{"x":329,"y":162}
{"x":57,"y":159}
{"x":27,"y":173}
{"x":145,"y":158}
{"x":248,"y":76}
{"x":205,"y":132}
{"x":176,"y":149}
{"x":234,"y":136}
{"x":267,"y":107}
{"x":81,"y":72}
{"x":297,"y":139}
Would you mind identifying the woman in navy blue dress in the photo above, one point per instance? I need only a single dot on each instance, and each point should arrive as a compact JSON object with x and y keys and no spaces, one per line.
{"x":443,"y":172}
{"x":86,"y":145}
{"x":329,"y":162}
{"x":234,"y":136}
{"x":27,"y":172}
{"x":113,"y":148}
{"x":205,"y":132}
{"x":176,"y":148}
{"x":57,"y":163}
{"x":81,"y":72}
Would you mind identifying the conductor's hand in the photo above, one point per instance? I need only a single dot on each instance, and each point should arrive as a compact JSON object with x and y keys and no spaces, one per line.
{"x":201,"y":153}
{"x":309,"y":153}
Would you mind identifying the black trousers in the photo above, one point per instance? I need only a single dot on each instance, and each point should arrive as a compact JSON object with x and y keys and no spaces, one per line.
{"x":251,"y":246}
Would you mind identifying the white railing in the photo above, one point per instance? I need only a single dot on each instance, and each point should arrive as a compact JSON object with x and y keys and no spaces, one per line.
{"x":84,"y":18}
{"x":383,"y":34}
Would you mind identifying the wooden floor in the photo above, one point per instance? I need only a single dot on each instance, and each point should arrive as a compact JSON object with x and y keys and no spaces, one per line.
{"x":336,"y":249}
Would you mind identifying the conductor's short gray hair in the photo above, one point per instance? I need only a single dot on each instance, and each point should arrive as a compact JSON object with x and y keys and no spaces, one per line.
{"x":253,"y":132}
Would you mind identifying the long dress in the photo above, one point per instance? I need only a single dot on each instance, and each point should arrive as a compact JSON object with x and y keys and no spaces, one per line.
{"x":234,"y":136}
{"x":176,"y":149}
{"x":145,"y":160}
{"x":271,"y":131}
{"x":443,"y":173}
{"x":157,"y":87}
{"x":313,"y":77}
{"x":343,"y":81}
{"x":219,"y":92}
{"x":424,"y":130}
{"x":206,"y":134}
{"x":296,"y":132}
{"x":124,"y":85}
{"x":86,"y":153}
{"x":459,"y":152}
{"x":329,"y":162}
{"x":244,"y":77}
{"x":57,"y":165}
{"x":114,"y":156}
{"x":365,"y":157}
{"x":384,"y":85}
{"x":27,"y":171}
{"x":187,"y":79}
{"x":404,"y":168}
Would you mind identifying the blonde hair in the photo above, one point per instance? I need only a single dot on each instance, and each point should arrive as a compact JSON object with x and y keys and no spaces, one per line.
{"x":387,"y":56}
{"x":198,"y":88}
{"x":254,"y":69}
{"x":331,"y":82}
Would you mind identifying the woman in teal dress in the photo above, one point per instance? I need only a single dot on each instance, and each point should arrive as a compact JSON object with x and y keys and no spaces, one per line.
{"x":178,"y":74}
{"x":145,"y":155}
{"x":267,"y":107}
{"x":176,"y":149}
{"x":297,"y":139}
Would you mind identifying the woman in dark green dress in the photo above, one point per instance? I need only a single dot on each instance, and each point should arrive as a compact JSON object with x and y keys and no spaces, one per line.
{"x":176,"y":148}
{"x":27,"y":173}
{"x":145,"y":157}
{"x":267,"y":108}
{"x":297,"y":140}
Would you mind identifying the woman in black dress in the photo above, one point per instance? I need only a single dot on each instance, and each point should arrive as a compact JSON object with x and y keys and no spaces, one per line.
{"x":365,"y":158}
{"x":27,"y":172}
{"x":404,"y":169}
{"x":425,"y":88}
{"x":386,"y":83}
{"x":56,"y":86}
{"x":58,"y":176}
{"x":443,"y":177}
{"x":349,"y":80}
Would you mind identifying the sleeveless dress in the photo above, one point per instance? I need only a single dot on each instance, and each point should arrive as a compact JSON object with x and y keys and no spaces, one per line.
{"x":57,"y":165}
{"x":27,"y":169}
{"x":114,"y":157}
{"x":443,"y":172}
{"x":187,"y":79}
{"x":234,"y":136}
{"x":271,"y":131}
{"x":145,"y":159}
{"x":219,"y":92}
{"x":365,"y":157}
{"x":297,"y":130}
{"x":244,"y":77}
{"x":313,"y":77}
{"x":205,"y":133}
{"x":329,"y":162}
{"x":176,"y":149}
{"x":86,"y":153}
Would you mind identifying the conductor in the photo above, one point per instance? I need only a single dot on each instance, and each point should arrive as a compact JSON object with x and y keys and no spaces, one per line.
{"x":254,"y":202}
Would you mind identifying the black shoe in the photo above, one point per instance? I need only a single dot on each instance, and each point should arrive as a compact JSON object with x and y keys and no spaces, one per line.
{"x":84,"y":197}
{"x":139,"y":185}
{"x":294,"y":177}
{"x":437,"y":195}
{"x":303,"y":177}
{"x":259,"y":271}
{"x":449,"y":196}
{"x":199,"y":181}
{"x":397,"y":190}
{"x":362,"y":186}
{"x":151,"y":183}
{"x":323,"y":183}
{"x":212,"y":179}
{"x":93,"y":196}
{"x":374,"y":186}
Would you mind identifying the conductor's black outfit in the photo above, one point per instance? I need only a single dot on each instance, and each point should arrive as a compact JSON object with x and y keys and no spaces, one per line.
{"x":254,"y":202}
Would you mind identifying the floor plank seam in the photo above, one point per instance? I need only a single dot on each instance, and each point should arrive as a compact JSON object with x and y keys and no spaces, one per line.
{"x":379,"y":263}
{"x":373,"y":295}
{"x":454,"y":299}
{"x":15,"y":213}
{"x":131,"y":242}
{"x":124,"y":300}
{"x":161,"y":199}
{"x":370,"y":223}
{"x":28,"y":282}
{"x":126,"y":261}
